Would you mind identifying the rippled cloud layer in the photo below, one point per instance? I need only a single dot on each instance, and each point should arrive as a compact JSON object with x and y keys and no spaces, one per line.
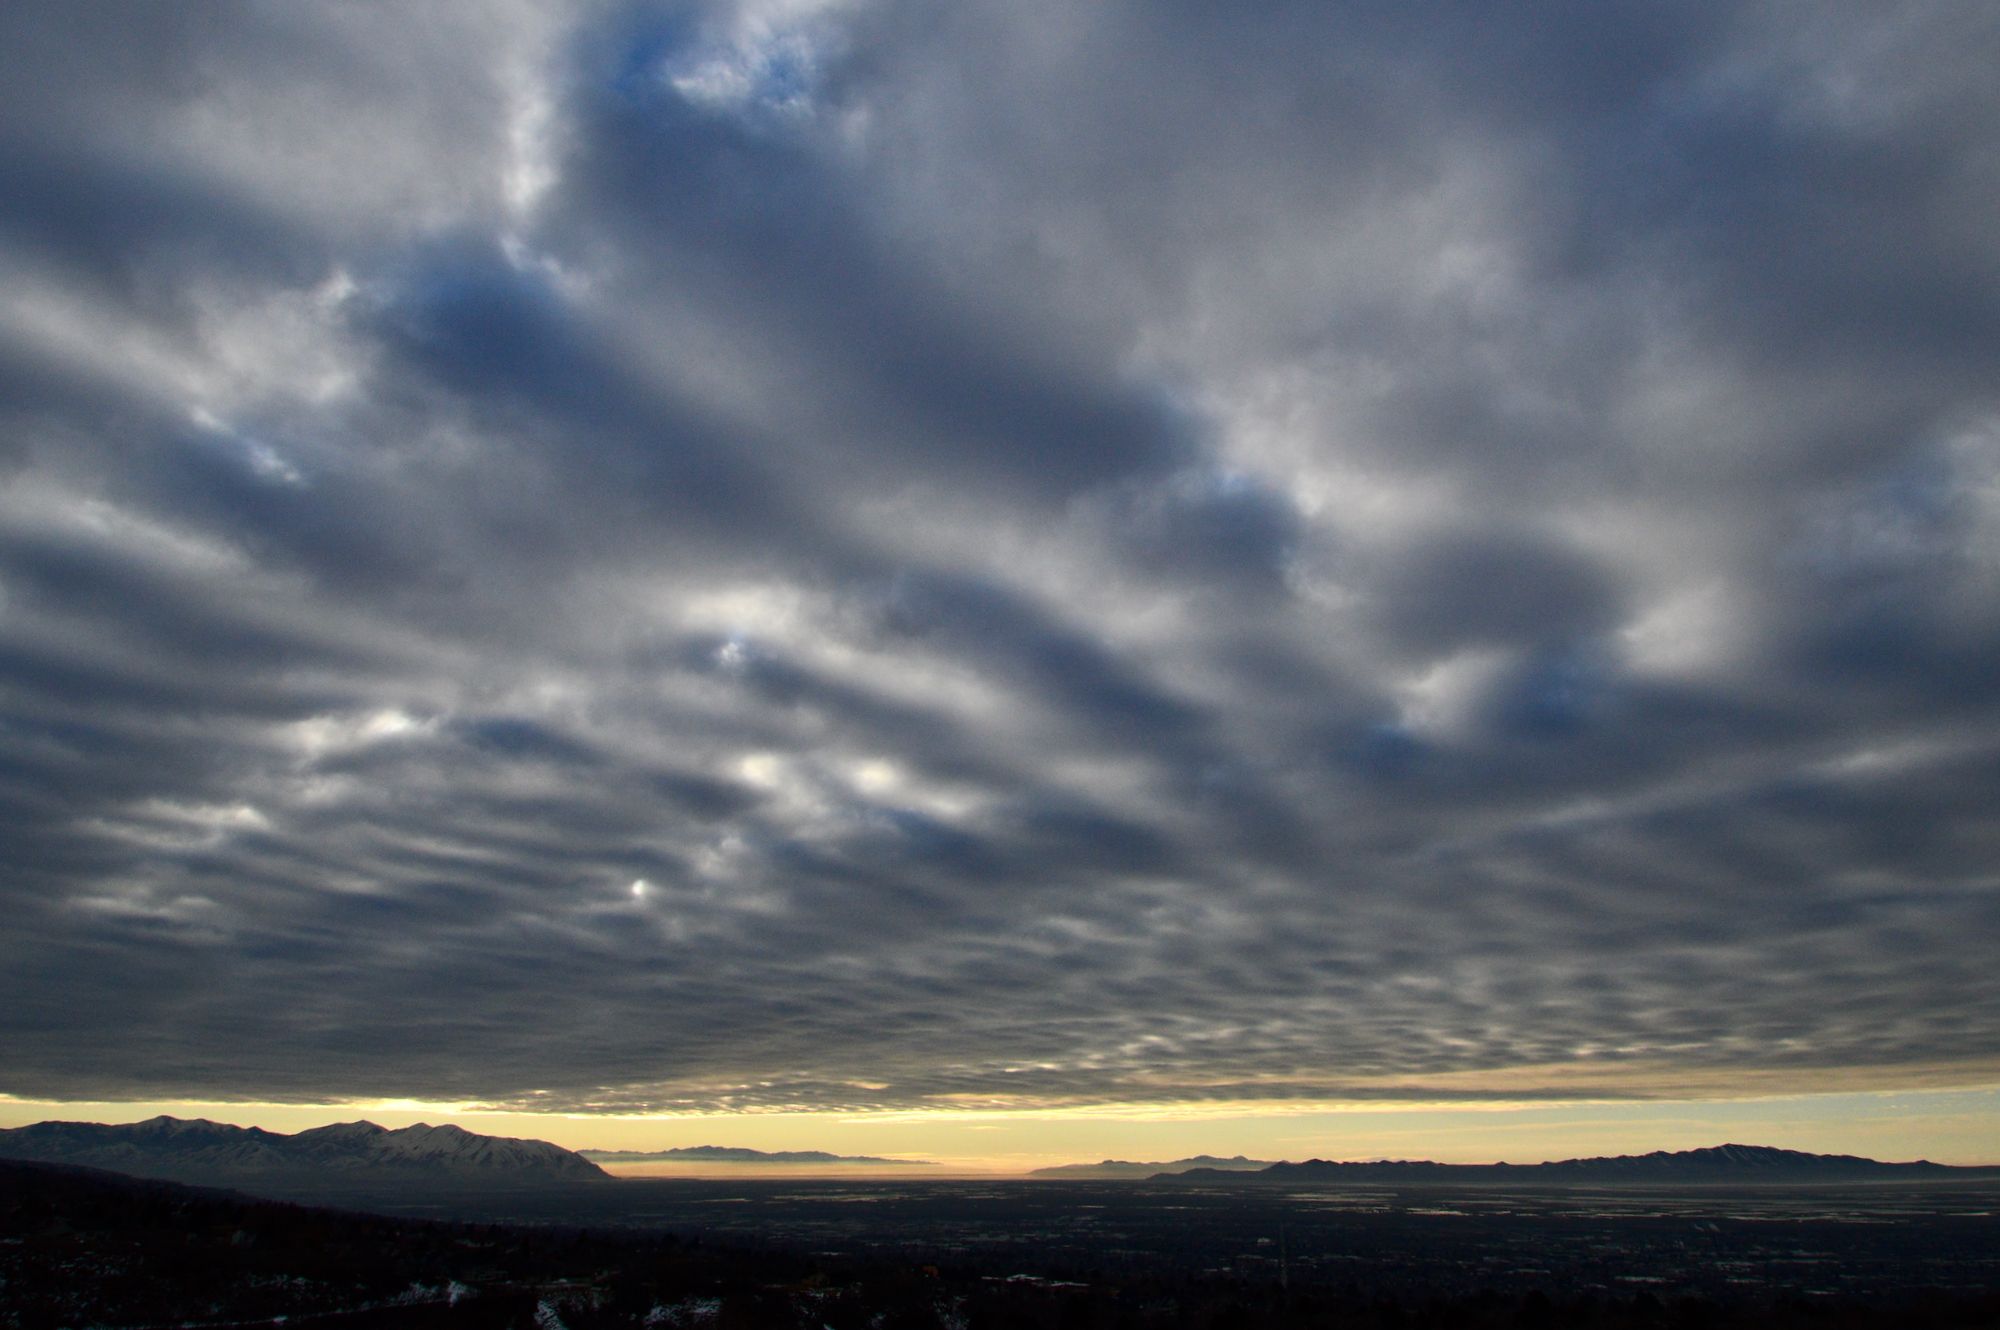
{"x":802,"y":553}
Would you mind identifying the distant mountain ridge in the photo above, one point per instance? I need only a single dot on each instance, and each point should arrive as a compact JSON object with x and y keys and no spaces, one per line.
{"x":1714,"y":1164}
{"x":1123,"y":1168}
{"x":733,"y":1154}
{"x":201,"y":1151}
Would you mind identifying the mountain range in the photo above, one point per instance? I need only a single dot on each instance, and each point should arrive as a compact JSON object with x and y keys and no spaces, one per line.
{"x":1106,"y":1169}
{"x":733,"y":1154}
{"x":1716,"y":1164}
{"x":364,"y":1154}
{"x":343,"y":1152}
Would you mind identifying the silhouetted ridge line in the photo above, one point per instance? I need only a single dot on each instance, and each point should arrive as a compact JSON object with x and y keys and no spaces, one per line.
{"x":1719,"y":1163}
{"x":203,"y":1151}
{"x":1110,"y":1169}
{"x":734,"y":1154}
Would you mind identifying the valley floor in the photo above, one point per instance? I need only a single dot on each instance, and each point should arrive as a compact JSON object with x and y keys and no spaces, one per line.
{"x":80,"y":1248}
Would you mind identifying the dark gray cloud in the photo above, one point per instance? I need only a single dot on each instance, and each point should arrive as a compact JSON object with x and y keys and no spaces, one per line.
{"x":845,"y":554}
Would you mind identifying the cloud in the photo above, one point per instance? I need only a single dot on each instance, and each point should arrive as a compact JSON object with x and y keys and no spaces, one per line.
{"x":1082,"y":554}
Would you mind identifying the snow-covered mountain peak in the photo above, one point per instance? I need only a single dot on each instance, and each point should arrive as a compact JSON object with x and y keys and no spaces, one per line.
{"x":444,"y":1130}
{"x":343,"y":1131}
{"x":167,"y":1125}
{"x":204,"y":1151}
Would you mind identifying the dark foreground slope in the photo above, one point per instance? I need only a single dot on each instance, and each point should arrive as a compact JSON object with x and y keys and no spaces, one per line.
{"x":85,"y":1248}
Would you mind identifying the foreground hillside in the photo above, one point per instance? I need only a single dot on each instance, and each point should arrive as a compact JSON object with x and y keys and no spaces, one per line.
{"x":88,"y":1248}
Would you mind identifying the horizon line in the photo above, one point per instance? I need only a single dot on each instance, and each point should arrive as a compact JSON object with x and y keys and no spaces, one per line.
{"x":664,"y":1163}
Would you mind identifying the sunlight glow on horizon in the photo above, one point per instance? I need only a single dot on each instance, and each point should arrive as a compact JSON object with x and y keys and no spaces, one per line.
{"x":1951,"y":1126}
{"x":808,"y":575}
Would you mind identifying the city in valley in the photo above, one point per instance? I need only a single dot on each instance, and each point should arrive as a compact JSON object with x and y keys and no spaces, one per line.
{"x":438,"y":1226}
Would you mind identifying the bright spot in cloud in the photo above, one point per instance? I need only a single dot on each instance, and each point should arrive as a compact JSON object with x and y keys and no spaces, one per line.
{"x":876,"y":777}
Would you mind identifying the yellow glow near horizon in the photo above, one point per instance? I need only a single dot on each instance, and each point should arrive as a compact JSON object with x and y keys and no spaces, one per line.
{"x":1949,"y":1125}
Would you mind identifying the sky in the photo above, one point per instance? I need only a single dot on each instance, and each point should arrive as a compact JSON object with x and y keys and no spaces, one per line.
{"x":1005,"y":581}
